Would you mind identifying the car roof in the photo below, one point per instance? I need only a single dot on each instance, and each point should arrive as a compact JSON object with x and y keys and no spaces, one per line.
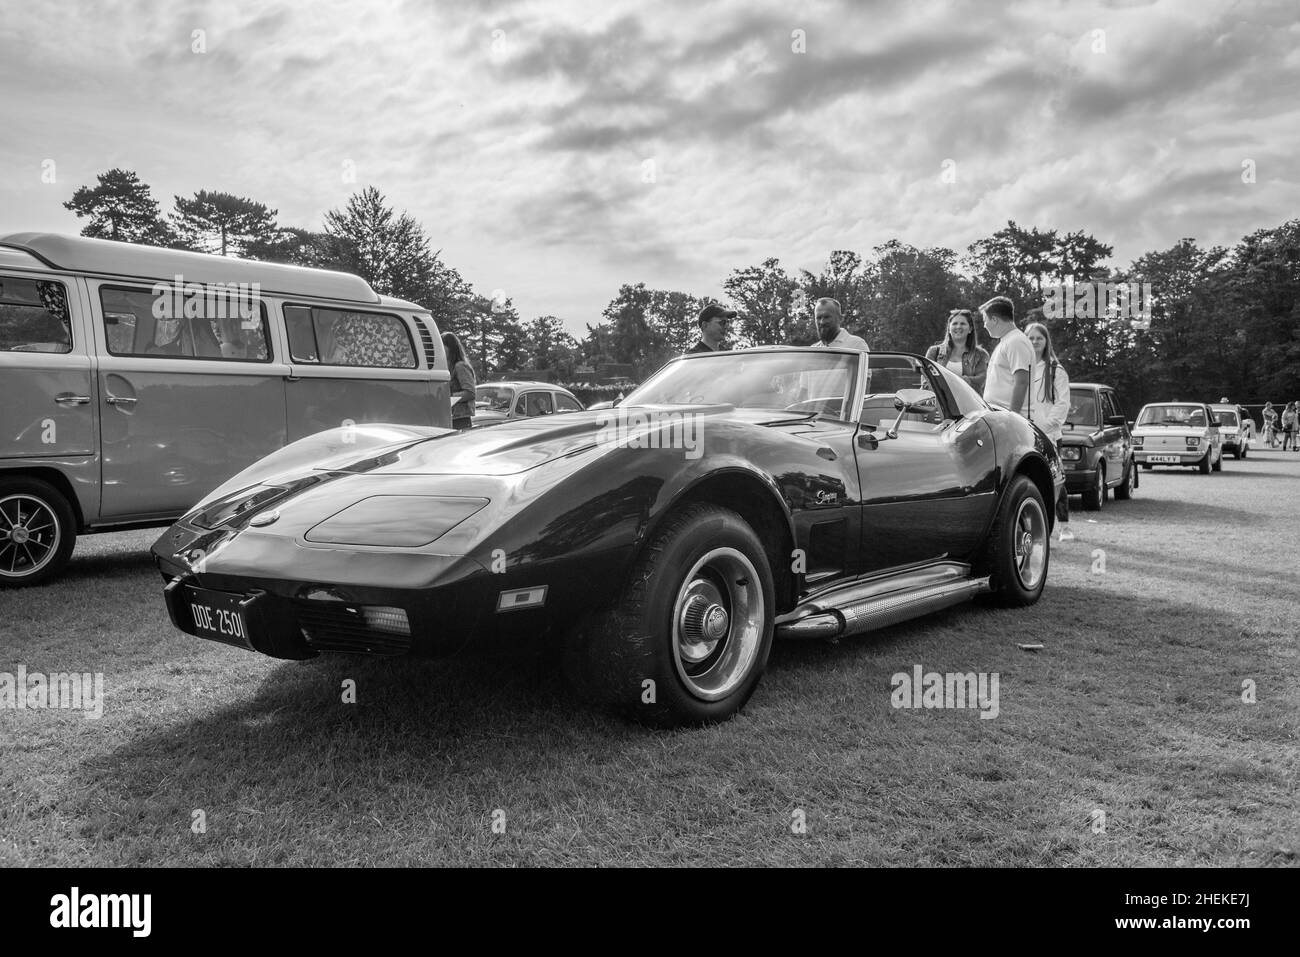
{"x":106,"y":257}
{"x":525,"y":384}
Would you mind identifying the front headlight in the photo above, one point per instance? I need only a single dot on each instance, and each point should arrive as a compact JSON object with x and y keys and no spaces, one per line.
{"x":1071,"y":453}
{"x":1137,"y":441}
{"x":1193,"y":441}
{"x":396,"y":521}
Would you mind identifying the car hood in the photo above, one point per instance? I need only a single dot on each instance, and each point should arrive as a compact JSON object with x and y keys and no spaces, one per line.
{"x":517,"y":445}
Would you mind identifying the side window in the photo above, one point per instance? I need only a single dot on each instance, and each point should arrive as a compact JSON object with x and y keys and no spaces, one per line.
{"x":34,"y":316}
{"x":539,"y":403}
{"x":343,"y":338}
{"x":564,"y":403}
{"x":890,"y":374}
{"x":522,"y":405}
{"x":200,"y":325}
{"x":1116,"y":408}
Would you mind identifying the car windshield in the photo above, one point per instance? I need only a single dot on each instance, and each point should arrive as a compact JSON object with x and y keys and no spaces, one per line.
{"x":798,"y":381}
{"x":495,"y":397}
{"x":1226,"y":417}
{"x":1083,"y":407}
{"x":1179,"y":416}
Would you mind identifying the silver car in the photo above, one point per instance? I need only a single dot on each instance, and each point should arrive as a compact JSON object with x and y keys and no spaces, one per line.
{"x":500,"y":401}
{"x":134,"y":380}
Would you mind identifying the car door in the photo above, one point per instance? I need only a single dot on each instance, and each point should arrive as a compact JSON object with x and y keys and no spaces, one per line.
{"x":189,"y":392}
{"x":46,"y":369}
{"x":928,"y":492}
{"x":1114,"y":438}
{"x":348,"y":366}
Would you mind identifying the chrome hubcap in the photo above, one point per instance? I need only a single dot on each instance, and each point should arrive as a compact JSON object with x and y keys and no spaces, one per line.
{"x":718,"y":622}
{"x":29,"y":536}
{"x":1030,"y":543}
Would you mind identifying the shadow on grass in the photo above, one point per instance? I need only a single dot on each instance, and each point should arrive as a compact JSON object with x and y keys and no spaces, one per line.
{"x":1146,"y":507}
{"x":492,"y":711}
{"x":117,"y":564}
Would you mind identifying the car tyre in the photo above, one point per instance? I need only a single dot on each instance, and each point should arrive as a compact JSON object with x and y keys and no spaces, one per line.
{"x":1218,"y":462}
{"x":1204,"y":464}
{"x":1019,"y":546}
{"x":37,"y":532}
{"x":1095,"y":497}
{"x":688,"y":640}
{"x":1129,"y":483}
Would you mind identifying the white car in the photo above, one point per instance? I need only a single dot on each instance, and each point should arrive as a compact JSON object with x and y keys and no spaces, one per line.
{"x":501,"y":401}
{"x":1178,"y":433}
{"x":1235,"y":427}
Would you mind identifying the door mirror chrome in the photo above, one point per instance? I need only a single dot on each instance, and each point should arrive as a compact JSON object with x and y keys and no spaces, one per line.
{"x":1116,"y":420}
{"x":911,"y":400}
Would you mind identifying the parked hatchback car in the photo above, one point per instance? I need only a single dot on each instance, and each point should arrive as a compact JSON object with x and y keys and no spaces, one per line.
{"x":134,"y":380}
{"x":1235,"y":427}
{"x":502,"y":401}
{"x":1178,"y":433}
{"x":1097,"y":447}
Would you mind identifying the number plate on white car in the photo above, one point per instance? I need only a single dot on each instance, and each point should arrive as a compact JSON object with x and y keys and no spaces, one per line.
{"x":1160,"y":459}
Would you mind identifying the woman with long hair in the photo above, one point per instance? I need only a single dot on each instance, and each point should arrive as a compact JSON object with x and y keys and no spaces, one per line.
{"x":1290,"y":427}
{"x":462,"y":383}
{"x":1270,"y":424}
{"x":1049,"y":402}
{"x":959,"y":350}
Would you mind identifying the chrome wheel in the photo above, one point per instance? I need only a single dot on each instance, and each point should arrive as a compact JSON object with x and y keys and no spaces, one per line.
{"x":718,"y":623}
{"x":1030,"y":533}
{"x":30,"y":536}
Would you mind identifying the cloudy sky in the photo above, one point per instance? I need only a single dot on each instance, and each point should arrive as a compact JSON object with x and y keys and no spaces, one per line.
{"x":556,"y":150}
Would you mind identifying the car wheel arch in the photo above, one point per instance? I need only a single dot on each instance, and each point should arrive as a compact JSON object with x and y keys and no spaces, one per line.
{"x":755,"y":498}
{"x":1040,"y":473}
{"x":61,"y":484}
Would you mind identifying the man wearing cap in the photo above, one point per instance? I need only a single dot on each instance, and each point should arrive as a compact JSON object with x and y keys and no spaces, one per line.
{"x":713,"y":321}
{"x":1007,"y":384}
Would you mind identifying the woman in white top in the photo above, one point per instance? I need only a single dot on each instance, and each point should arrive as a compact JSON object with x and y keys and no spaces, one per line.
{"x":1049,"y":402}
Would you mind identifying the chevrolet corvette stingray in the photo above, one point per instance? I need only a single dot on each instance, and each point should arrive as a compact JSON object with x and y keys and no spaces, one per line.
{"x":731,"y":499}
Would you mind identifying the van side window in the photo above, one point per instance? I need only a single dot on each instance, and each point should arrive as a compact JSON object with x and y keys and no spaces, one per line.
{"x":197,"y":326}
{"x":34,"y":316}
{"x":343,"y":338}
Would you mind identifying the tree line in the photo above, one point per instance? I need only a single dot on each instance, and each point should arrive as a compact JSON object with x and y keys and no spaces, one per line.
{"x":1219,"y":321}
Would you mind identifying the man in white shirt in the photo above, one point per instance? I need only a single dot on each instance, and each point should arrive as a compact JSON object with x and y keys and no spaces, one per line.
{"x":830,"y":334}
{"x":1007,"y":385}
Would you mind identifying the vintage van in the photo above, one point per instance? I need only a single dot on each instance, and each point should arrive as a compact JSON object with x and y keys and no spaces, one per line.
{"x":134,"y":380}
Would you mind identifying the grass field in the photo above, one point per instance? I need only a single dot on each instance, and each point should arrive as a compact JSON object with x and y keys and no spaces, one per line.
{"x":1133,"y":708}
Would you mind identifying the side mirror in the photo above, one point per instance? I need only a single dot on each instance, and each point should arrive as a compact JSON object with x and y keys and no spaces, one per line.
{"x":911,"y":400}
{"x":1116,"y":420}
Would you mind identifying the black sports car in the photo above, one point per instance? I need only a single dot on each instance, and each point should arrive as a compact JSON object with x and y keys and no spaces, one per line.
{"x":733,"y":498}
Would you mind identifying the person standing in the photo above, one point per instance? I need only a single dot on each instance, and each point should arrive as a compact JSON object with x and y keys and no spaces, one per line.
{"x":1007,"y":382}
{"x":462,"y":383}
{"x":712,"y":321}
{"x":1048,"y":404}
{"x":830,"y":333}
{"x":1289,"y":426}
{"x":960,"y":352}
{"x":1270,"y":424}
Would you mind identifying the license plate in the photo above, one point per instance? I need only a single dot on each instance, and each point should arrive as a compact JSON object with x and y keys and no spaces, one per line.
{"x":1159,"y":459}
{"x":218,"y":615}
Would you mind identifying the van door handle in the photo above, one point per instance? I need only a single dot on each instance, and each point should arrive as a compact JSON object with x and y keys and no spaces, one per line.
{"x":67,"y":398}
{"x":120,"y":400}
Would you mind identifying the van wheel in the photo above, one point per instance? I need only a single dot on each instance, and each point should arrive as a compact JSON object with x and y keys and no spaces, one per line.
{"x":37,"y":532}
{"x":687,"y":641}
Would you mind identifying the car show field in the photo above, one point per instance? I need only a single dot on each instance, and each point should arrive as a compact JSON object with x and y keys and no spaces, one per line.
{"x":1156,"y":725}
